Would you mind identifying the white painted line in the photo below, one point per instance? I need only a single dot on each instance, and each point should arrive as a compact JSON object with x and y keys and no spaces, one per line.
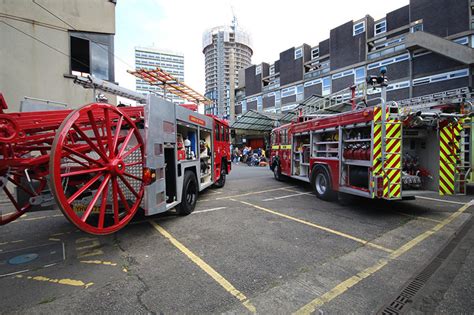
{"x":14,"y":273}
{"x":288,"y":196}
{"x":209,"y":210}
{"x":441,"y":200}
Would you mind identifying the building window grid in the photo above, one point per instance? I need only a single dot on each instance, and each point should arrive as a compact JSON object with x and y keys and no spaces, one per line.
{"x":288,"y":91}
{"x":326,"y":86}
{"x":315,"y":53}
{"x":358,"y":28}
{"x":298,"y":53}
{"x":389,"y":61}
{"x":380,"y":27}
{"x":441,"y":77}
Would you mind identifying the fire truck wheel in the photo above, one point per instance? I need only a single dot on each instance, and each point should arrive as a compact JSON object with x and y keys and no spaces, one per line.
{"x":190,"y":194}
{"x":322,"y":185}
{"x":277,"y":172}
{"x":221,"y":181}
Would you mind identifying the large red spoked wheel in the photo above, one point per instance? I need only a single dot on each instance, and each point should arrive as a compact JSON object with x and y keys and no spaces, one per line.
{"x":96,"y":168}
{"x":13,"y":184}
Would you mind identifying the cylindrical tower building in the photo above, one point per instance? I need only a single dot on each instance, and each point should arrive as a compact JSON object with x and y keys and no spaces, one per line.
{"x":227,"y":49}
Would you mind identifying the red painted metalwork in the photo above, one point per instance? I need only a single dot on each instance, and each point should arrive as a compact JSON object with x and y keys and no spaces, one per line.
{"x":60,"y":144}
{"x":112,"y":139}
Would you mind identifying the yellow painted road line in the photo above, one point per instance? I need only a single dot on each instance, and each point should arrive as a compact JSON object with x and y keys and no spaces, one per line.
{"x":206,"y":268}
{"x":202,"y":200}
{"x":320,"y":227}
{"x":253,"y":193}
{"x":352,"y":281}
{"x":440,"y":200}
{"x":288,"y":196}
{"x":71,"y":282}
{"x":98,"y":262}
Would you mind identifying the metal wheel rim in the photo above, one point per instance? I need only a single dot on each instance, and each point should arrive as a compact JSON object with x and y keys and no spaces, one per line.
{"x":321,"y":184}
{"x":110,"y":169}
{"x":276,"y":171}
{"x":20,"y":209}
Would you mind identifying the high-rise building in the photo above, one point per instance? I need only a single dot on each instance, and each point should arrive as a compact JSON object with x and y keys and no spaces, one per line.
{"x":171,"y":62}
{"x":227,"y":49}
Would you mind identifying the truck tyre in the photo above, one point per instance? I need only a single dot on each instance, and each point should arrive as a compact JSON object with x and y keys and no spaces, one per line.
{"x":190,"y":194}
{"x":322,"y":184}
{"x":221,"y":181}
{"x":277,"y":172}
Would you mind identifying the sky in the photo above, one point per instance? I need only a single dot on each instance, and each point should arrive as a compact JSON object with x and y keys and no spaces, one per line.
{"x":273,"y":27}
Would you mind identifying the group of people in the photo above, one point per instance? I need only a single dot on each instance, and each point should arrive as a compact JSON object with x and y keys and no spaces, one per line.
{"x":252,"y":157}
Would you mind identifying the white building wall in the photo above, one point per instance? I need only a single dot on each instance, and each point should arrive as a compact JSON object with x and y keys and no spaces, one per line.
{"x":29,"y":67}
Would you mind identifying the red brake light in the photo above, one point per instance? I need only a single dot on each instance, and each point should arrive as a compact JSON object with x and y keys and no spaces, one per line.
{"x":149,"y":175}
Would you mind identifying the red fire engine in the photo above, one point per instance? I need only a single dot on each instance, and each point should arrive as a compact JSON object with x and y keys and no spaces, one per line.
{"x":388,"y":151}
{"x":101,"y":163}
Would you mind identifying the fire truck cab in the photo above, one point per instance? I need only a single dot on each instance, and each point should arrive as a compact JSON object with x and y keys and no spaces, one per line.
{"x":367,"y":153}
{"x":187,"y":151}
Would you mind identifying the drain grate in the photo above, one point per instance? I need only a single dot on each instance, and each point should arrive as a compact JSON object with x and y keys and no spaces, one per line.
{"x":405,"y":298}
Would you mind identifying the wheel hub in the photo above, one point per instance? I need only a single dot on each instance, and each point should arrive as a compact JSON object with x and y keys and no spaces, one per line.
{"x":117,"y":167}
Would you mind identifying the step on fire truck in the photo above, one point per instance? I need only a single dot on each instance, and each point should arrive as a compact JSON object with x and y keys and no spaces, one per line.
{"x":388,"y":151}
{"x":100,"y":163}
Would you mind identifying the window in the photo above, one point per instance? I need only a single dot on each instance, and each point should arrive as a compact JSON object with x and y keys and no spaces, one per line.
{"x":359,"y":75}
{"x":223,"y":133}
{"x":417,"y":28}
{"x":389,"y":61}
{"x":91,"y":55}
{"x":244,"y":106}
{"x":358,"y":28}
{"x":326,"y":86}
{"x":313,"y":82}
{"x":380,"y":27}
{"x":462,"y":40}
{"x":315,"y":53}
{"x":259,"y":103}
{"x":299,"y":92}
{"x":441,"y":77}
{"x":288,"y":91}
{"x":258,"y":69}
{"x":298,"y":53}
{"x":343,"y":74}
{"x":216,"y":131}
{"x":272,"y":69}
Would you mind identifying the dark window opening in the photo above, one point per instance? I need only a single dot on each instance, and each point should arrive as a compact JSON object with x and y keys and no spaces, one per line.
{"x":91,"y":54}
{"x":80,"y":60}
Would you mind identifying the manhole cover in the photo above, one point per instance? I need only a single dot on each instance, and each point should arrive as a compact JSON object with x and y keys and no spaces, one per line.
{"x":22,"y":259}
{"x":28,"y":258}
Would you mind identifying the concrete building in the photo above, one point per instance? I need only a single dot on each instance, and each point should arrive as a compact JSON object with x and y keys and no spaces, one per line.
{"x":227,"y":49}
{"x":45,"y":42}
{"x":426,"y":47}
{"x":171,"y":62}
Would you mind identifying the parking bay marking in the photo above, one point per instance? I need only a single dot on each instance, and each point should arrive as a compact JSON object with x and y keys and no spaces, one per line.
{"x":206,"y":268}
{"x":352,"y":281}
{"x":209,"y":210}
{"x":359,"y":240}
{"x":71,"y":282}
{"x":254,"y":193}
{"x":440,"y":200}
{"x":288,"y":196}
